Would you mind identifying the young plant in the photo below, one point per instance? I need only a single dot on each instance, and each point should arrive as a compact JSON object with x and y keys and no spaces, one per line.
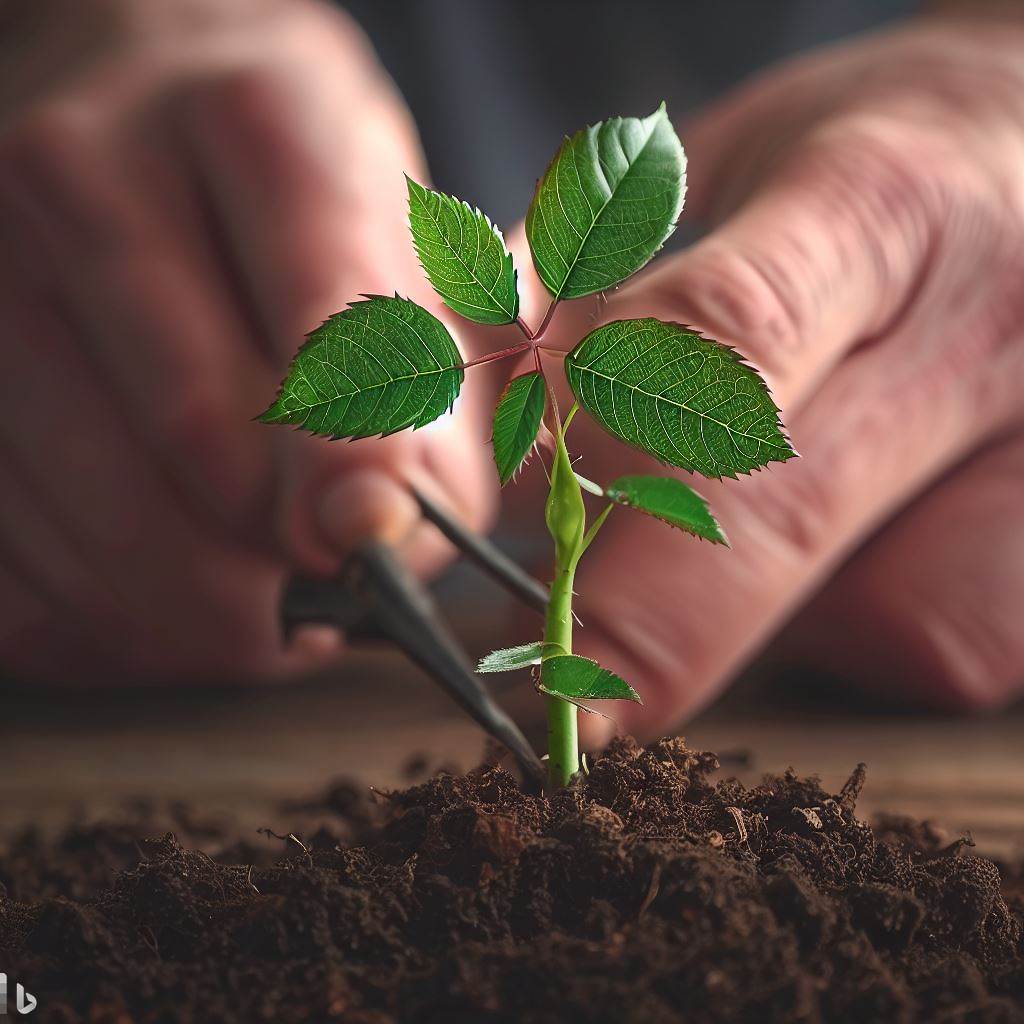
{"x":606,"y":204}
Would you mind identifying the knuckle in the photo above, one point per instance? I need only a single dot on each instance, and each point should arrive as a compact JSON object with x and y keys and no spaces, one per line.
{"x":743,"y":297}
{"x":251,"y":120}
{"x":233,"y":110}
{"x":797,"y":517}
{"x":883,"y":179}
{"x":239,"y":92}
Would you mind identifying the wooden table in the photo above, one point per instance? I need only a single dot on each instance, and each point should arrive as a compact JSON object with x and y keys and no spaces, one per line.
{"x":244,"y":751}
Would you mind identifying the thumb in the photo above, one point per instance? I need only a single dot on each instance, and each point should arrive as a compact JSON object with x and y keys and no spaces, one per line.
{"x":825,"y":252}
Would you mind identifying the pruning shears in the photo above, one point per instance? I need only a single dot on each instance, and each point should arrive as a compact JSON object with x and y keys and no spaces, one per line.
{"x":375,"y":598}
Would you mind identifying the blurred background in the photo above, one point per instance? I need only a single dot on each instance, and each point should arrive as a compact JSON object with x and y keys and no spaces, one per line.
{"x":492,"y":87}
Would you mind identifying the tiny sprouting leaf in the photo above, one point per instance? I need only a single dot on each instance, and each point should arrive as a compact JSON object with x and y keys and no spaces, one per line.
{"x":606,"y":204}
{"x":464,"y":256}
{"x":589,"y":486}
{"x":683,"y":398}
{"x":517,"y":419}
{"x":576,"y":678}
{"x":669,"y":500}
{"x":508,"y":659}
{"x":379,"y":366}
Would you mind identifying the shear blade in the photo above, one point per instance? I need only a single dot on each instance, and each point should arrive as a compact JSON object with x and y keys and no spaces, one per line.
{"x":376,"y":598}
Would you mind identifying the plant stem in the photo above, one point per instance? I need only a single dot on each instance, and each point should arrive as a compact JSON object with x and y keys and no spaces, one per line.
{"x":566,"y":519}
{"x":547,"y":319}
{"x":563,"y":740}
{"x":525,"y":328}
{"x":535,"y":335}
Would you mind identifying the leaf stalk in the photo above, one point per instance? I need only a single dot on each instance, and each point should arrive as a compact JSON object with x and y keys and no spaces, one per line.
{"x":504,"y":353}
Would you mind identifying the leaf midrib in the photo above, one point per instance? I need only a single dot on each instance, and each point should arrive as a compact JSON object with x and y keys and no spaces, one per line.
{"x":371,"y":387}
{"x":604,"y":205}
{"x":469,"y":270}
{"x":681,"y":405}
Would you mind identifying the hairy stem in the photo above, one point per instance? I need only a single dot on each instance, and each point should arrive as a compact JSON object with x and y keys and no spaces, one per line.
{"x":563,"y":740}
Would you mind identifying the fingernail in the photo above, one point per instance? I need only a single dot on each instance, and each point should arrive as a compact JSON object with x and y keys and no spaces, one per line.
{"x":362,"y":505}
{"x":313,"y":646}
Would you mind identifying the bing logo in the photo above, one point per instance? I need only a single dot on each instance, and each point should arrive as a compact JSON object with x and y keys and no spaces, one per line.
{"x":24,"y":1002}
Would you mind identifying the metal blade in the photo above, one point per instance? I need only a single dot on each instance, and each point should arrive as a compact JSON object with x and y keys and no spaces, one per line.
{"x":377,"y":598}
{"x":487,"y":556}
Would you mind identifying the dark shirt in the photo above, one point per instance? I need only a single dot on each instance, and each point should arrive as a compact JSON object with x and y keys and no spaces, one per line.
{"x":495,"y":84}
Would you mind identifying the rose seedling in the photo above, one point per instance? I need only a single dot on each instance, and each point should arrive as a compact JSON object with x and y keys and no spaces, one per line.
{"x":606,"y":204}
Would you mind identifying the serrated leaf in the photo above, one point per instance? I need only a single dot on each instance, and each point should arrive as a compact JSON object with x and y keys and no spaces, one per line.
{"x":508,"y":659}
{"x":517,"y":418}
{"x":379,"y":366}
{"x":464,"y":256}
{"x":685,"y":399}
{"x":576,"y":678}
{"x":669,"y":500}
{"x":606,"y":204}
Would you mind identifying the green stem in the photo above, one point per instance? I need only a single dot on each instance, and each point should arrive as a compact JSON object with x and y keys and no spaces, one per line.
{"x":566,"y":520}
{"x":563,"y":740}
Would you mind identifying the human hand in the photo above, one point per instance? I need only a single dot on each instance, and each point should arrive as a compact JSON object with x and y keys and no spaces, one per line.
{"x":868,"y":259}
{"x":185,"y":189}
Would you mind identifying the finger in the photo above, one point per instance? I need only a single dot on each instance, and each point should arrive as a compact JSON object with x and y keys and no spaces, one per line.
{"x":38,"y":555}
{"x":144,"y":300}
{"x":312,"y":226}
{"x":930,"y":610}
{"x":300,"y":189}
{"x":825,"y":255}
{"x":679,"y":617}
{"x":127,"y":560}
{"x":737,"y":141}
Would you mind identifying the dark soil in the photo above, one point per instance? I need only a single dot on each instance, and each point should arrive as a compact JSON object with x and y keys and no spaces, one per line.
{"x":648,"y":893}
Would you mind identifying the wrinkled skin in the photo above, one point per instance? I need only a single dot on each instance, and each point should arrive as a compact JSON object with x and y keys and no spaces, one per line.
{"x":867,"y":255}
{"x":200,"y":185}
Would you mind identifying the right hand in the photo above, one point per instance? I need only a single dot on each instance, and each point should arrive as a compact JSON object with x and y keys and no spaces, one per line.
{"x":186,"y":188}
{"x":867,"y":255}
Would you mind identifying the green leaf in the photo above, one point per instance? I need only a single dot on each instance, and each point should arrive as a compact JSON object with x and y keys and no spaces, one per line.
{"x":379,"y":366}
{"x":669,"y":500}
{"x":516,"y":422}
{"x":464,"y":256}
{"x":576,"y":678}
{"x":606,"y":204}
{"x":508,"y":659}
{"x":687,"y":400}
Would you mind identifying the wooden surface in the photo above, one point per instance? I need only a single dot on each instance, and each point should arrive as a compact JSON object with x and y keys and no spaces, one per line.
{"x":243,"y":751}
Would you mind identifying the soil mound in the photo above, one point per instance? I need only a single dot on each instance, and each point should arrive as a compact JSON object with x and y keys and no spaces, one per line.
{"x":647,"y":893}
